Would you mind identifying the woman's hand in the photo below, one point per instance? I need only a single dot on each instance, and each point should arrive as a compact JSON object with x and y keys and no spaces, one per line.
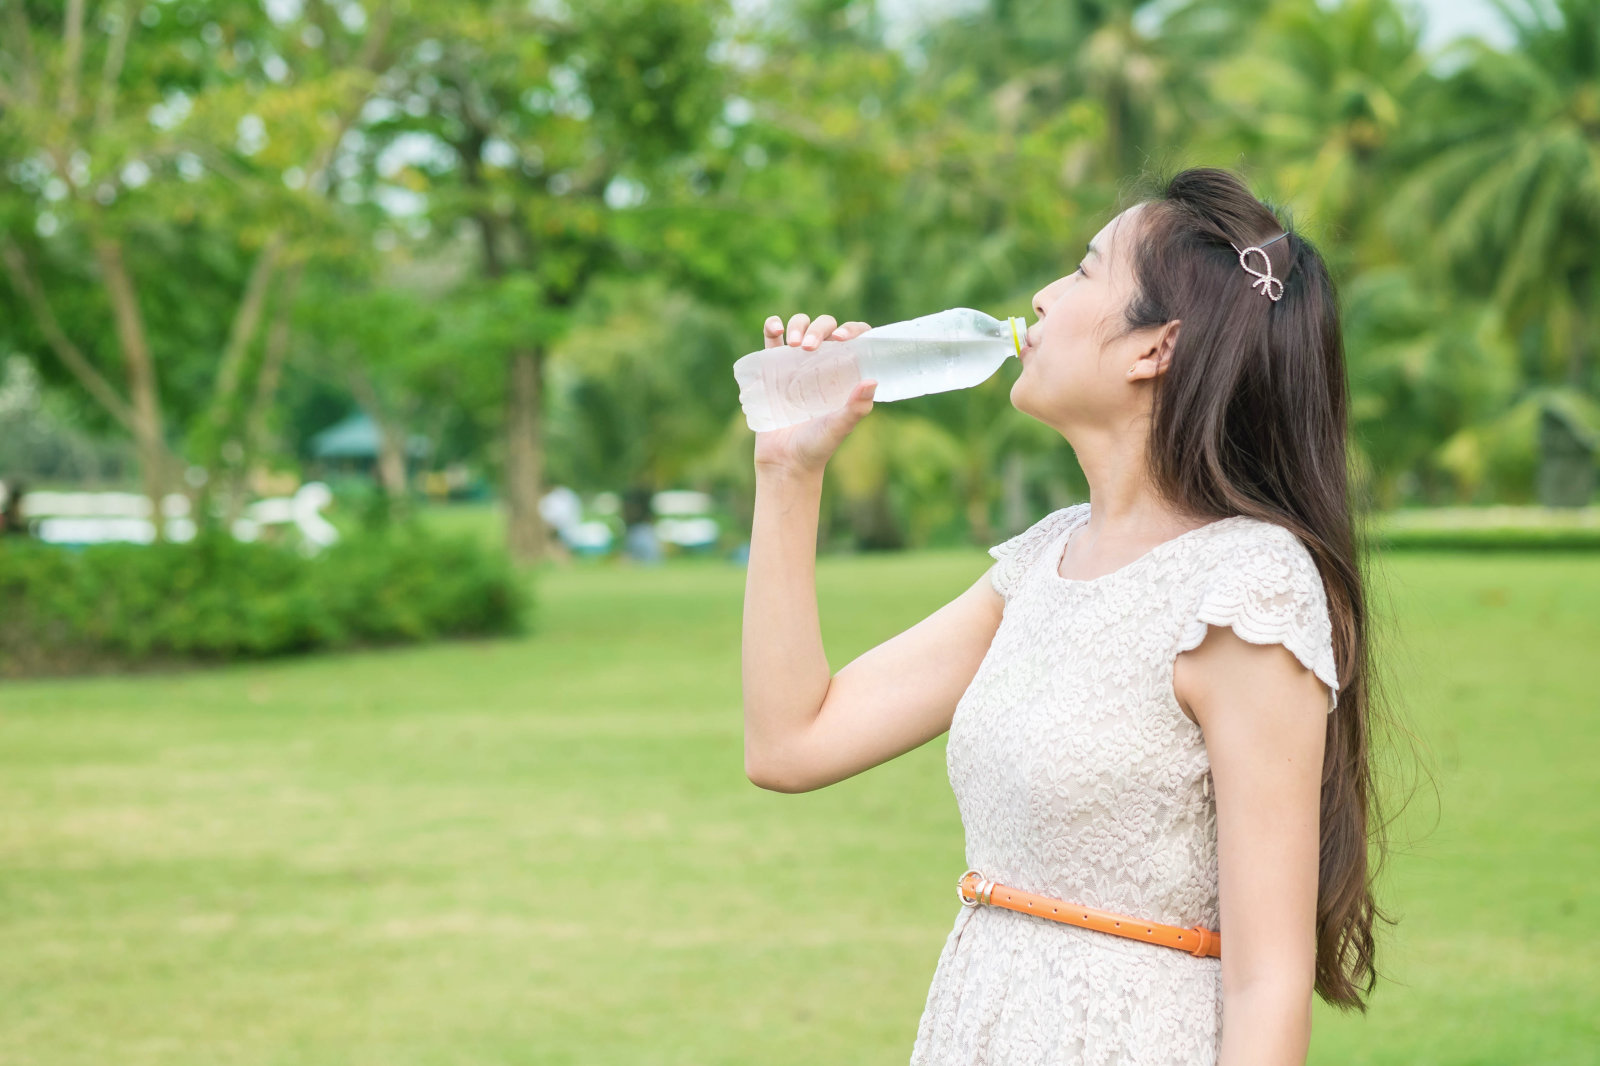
{"x":806,"y":446}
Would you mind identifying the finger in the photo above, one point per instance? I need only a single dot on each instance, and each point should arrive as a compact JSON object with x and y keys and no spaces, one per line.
{"x":849,"y":330}
{"x":797,"y":327}
{"x":844,"y":419}
{"x":823,"y":326}
{"x":858,"y":402}
{"x":772,"y":332}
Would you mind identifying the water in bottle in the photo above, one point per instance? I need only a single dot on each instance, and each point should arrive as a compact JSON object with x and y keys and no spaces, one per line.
{"x":954,"y":349}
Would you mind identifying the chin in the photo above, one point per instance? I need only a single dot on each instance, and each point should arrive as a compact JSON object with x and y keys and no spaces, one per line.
{"x":1016,"y":394}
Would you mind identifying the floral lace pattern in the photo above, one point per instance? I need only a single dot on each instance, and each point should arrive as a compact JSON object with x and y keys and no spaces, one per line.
{"x":1078,"y":776}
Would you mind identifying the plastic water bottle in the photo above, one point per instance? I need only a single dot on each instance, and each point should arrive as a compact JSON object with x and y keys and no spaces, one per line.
{"x":954,"y":349}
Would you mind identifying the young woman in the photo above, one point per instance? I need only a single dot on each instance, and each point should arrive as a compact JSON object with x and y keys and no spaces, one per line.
{"x":1156,"y":699}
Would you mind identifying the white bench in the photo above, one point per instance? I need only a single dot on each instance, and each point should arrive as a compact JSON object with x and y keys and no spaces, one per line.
{"x":82,"y":518}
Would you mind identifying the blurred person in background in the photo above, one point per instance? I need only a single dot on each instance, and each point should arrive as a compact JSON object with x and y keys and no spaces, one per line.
{"x":12,"y":521}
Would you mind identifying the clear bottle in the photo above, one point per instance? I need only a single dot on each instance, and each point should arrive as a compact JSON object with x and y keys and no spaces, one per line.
{"x":954,"y":349}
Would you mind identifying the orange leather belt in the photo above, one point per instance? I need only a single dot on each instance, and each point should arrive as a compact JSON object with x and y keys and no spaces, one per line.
{"x":1196,"y":940}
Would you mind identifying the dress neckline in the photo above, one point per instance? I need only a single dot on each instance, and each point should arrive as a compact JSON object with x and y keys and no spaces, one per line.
{"x":1060,"y":542}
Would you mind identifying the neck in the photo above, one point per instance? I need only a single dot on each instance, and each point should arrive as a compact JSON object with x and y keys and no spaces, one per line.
{"x":1123,"y":500}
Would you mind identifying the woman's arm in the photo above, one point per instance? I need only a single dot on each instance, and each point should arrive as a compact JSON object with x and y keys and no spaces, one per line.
{"x":1265,"y":719}
{"x":805,"y":729}
{"x":784,"y":667}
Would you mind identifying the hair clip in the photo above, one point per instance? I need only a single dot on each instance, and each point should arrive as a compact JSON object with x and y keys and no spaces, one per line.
{"x":1270,"y":286}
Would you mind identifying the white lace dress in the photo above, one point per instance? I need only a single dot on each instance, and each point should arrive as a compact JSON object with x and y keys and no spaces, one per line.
{"x":1079,"y":777}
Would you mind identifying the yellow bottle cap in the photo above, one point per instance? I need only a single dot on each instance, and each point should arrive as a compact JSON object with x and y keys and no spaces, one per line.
{"x":1019,"y":332}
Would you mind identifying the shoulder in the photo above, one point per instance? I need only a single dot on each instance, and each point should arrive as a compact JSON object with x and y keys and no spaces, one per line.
{"x":1246,"y":547}
{"x":1243,"y":529}
{"x":1015,"y":554}
{"x":1260,"y":580}
{"x":1040,"y":531}
{"x":1047,"y":526}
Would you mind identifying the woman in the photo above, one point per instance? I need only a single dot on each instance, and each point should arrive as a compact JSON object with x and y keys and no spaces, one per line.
{"x":1156,"y":699}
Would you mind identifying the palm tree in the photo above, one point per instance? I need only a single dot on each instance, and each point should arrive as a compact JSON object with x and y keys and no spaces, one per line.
{"x":1317,"y":95}
{"x":1434,"y":386}
{"x":1505,"y":193}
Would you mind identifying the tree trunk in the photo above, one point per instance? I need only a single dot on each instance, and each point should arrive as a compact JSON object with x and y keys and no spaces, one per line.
{"x":142,"y":387}
{"x":392,"y":461}
{"x":391,"y":440}
{"x":271,"y":373}
{"x":219,"y":449}
{"x":524,"y":423}
{"x":524,"y":442}
{"x":71,"y":356}
{"x":1581,"y":337}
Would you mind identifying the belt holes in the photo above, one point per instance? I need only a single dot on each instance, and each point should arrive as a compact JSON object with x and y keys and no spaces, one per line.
{"x":1119,"y":925}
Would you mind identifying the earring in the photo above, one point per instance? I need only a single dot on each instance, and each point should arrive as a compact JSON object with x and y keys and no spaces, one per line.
{"x":1131,"y":369}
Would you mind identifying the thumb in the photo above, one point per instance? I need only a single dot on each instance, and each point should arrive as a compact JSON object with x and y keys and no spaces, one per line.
{"x":844,"y":419}
{"x":860,"y":401}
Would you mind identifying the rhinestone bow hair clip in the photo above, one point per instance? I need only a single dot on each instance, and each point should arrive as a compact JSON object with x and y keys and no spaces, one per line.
{"x":1270,"y":286}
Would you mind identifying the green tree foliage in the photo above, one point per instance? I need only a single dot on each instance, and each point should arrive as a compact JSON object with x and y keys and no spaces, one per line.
{"x":166,"y":161}
{"x":552,"y":226}
{"x":1501,"y":198}
{"x":524,"y":124}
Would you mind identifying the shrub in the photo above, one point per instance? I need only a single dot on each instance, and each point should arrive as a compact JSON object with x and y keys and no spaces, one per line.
{"x":117,"y":605}
{"x":1528,"y":539}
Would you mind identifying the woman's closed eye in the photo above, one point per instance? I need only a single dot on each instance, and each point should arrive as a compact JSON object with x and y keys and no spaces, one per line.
{"x":1080,"y":269}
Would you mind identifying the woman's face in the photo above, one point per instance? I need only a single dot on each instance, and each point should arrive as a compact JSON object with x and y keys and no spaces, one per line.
{"x":1071,"y":374}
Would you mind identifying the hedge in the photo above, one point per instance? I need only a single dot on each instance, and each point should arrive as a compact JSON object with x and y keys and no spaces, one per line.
{"x":114,"y":606}
{"x":1488,"y":529}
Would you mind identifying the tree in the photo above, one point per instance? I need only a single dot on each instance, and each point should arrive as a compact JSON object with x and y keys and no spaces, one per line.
{"x":1503,"y":191}
{"x":152,"y":143}
{"x":525,"y":125}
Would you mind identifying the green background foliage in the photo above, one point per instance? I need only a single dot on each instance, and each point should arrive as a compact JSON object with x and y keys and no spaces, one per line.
{"x":113,"y":605}
{"x":539,"y":234}
{"x":542,"y":233}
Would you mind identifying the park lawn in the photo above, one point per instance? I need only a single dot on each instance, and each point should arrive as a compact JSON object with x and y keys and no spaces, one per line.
{"x":544,"y":850}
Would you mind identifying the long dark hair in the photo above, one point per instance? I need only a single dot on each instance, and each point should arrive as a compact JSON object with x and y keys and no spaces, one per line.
{"x":1249,"y":418}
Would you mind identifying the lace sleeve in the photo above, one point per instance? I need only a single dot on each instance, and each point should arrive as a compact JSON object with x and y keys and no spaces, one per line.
{"x":1014,"y":556}
{"x":1271,"y":593}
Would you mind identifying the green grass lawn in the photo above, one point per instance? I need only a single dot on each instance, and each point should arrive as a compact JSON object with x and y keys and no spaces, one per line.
{"x":544,"y":850}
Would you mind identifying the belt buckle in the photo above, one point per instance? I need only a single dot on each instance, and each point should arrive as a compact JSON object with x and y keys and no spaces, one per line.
{"x":977,"y":889}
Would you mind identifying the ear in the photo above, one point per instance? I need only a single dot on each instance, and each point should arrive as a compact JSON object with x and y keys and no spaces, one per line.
{"x":1166,"y":341}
